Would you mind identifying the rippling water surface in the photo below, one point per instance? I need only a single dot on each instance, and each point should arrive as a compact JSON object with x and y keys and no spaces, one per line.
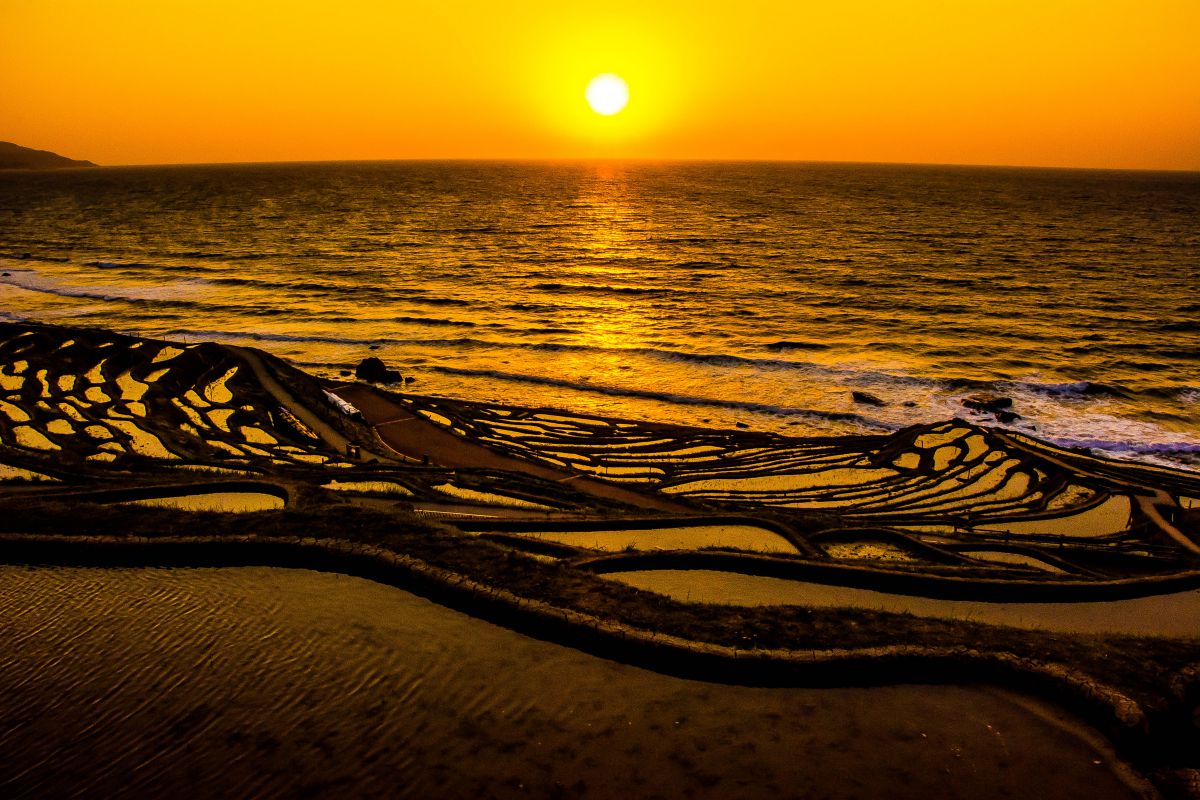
{"x":266,"y":682}
{"x":701,"y":293}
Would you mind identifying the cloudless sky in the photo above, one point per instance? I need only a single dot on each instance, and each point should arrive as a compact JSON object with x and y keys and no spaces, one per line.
{"x":1099,"y":83}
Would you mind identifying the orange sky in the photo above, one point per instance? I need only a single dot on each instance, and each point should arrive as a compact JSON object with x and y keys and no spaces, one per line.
{"x":1103,"y":84}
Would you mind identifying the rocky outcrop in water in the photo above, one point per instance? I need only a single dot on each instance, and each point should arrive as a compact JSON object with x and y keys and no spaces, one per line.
{"x":867,"y":399}
{"x":997,"y":405}
{"x":987,"y":402}
{"x":373,"y":370}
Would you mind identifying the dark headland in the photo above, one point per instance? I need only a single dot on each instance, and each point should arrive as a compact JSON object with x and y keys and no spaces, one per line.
{"x":14,"y":156}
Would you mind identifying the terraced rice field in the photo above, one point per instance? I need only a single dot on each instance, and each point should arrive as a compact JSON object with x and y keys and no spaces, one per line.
{"x":106,"y":397}
{"x":1021,"y":506}
{"x":944,"y":499}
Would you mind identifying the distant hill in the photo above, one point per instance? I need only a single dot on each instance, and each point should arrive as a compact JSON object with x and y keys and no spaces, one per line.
{"x":13,"y":156}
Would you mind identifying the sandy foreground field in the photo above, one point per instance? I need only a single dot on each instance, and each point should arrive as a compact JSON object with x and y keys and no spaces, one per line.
{"x":285,"y":683}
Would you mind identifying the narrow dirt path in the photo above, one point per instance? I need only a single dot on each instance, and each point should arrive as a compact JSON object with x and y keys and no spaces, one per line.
{"x":413,"y":436}
{"x":330,"y":435}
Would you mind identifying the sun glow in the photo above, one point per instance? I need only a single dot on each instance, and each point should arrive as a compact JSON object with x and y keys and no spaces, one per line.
{"x":607,"y":94}
{"x":297,"y":80}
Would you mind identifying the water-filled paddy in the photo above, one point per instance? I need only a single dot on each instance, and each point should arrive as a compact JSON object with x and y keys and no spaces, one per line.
{"x":379,"y":487}
{"x":1176,"y":614}
{"x":270,"y":682}
{"x":867,"y":549}
{"x":8,"y":473}
{"x":1108,"y":518}
{"x":231,"y":502}
{"x":1111,"y":516}
{"x":489,"y":498}
{"x":684,"y":537}
{"x":1018,"y":559}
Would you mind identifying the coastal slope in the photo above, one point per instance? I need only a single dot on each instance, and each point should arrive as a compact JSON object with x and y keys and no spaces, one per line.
{"x":14,"y":156}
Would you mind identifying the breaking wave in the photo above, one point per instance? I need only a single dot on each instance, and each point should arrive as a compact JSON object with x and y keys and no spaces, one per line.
{"x":670,"y":397}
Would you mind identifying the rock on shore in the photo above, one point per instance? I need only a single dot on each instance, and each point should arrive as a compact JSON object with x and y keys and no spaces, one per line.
{"x":373,"y":370}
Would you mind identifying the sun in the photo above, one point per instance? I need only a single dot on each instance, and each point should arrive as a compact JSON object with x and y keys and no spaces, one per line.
{"x":607,"y":94}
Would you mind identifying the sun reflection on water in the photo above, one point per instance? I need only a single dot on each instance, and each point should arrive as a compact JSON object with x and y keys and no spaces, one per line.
{"x":615,"y":235}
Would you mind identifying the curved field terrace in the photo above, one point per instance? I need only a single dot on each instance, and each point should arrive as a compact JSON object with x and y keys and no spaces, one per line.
{"x":718,"y":555}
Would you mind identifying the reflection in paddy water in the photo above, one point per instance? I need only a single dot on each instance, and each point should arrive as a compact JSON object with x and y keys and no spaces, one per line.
{"x":686,"y":537}
{"x":230,"y":502}
{"x":1176,"y":614}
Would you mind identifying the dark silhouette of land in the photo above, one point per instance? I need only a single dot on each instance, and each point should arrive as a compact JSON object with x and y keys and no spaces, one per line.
{"x":14,"y":156}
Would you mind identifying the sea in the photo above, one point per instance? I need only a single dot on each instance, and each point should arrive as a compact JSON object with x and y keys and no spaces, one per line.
{"x":728,"y":295}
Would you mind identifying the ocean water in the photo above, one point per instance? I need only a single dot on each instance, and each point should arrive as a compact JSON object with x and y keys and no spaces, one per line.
{"x":708,"y":293}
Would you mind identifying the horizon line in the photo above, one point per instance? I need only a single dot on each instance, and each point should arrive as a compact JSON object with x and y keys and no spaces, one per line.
{"x":636,"y":159}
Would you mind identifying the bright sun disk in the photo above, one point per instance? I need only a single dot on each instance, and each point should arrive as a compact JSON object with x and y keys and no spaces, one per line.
{"x":607,"y":94}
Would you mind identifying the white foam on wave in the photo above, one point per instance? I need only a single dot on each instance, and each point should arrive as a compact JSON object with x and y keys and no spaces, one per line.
{"x":795,"y":391}
{"x":37,"y":281}
{"x":1111,"y":435}
{"x":1078,"y":389}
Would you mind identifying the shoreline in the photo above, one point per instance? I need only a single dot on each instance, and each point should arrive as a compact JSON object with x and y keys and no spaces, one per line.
{"x":452,"y":354}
